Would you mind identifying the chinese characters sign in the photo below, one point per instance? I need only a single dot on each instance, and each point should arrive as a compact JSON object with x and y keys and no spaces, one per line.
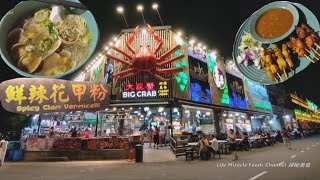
{"x":163,"y":89}
{"x":140,"y":90}
{"x":37,"y":95}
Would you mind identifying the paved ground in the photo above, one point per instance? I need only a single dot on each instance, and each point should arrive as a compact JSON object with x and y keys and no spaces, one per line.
{"x":304,"y":151}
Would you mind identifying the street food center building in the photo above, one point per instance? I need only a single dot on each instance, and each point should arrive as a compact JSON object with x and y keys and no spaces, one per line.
{"x":200,"y":97}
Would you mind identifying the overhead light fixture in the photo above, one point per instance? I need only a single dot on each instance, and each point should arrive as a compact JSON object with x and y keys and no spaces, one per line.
{"x":114,"y":109}
{"x":187,"y":111}
{"x":155,"y":6}
{"x":160,"y":109}
{"x":120,"y":9}
{"x":140,"y":7}
{"x":175,"y":109}
{"x":198,"y":112}
{"x":224,"y":114}
{"x":146,"y":109}
{"x":208,"y":113}
{"x":237,"y":114}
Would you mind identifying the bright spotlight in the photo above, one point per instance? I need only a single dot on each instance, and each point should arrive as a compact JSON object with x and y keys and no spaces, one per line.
{"x":120,"y":9}
{"x":155,"y":6}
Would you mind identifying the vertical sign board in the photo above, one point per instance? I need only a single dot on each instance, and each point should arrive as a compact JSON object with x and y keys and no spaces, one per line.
{"x":236,"y":92}
{"x":3,"y":149}
{"x":199,"y":85}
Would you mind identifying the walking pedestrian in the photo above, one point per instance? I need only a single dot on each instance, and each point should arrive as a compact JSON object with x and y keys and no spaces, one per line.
{"x":286,"y":137}
{"x":233,"y":143}
{"x":149,"y":135}
{"x":156,"y":137}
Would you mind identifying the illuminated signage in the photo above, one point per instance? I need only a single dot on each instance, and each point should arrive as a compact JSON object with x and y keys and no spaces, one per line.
{"x":301,"y":115}
{"x":140,"y":90}
{"x":41,"y":95}
{"x":306,"y":104}
{"x":312,"y":106}
{"x":262,"y":106}
{"x":198,"y":73}
{"x":219,"y":78}
{"x":163,"y":89}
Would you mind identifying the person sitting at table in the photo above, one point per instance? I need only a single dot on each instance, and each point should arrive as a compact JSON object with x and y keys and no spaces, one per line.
{"x":214,"y":145}
{"x":204,"y":153}
{"x":278,"y":137}
{"x":233,"y":144}
{"x":269,"y":139}
{"x":238,"y":135}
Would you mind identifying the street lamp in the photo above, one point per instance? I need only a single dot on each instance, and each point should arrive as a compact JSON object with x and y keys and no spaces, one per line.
{"x":155,"y":7}
{"x":120,"y":10}
{"x":140,"y":9}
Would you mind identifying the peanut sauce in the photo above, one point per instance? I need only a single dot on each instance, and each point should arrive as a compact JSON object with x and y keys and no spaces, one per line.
{"x":274,"y":23}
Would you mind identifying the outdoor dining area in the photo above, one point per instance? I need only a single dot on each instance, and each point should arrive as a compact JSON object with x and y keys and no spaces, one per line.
{"x":208,"y":146}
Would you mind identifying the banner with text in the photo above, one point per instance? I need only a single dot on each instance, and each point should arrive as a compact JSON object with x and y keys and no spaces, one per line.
{"x":43,"y":95}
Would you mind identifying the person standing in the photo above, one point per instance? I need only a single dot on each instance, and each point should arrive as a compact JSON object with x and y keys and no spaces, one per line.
{"x":74,"y":132}
{"x":149,"y":135}
{"x":233,"y":143}
{"x":286,"y":137}
{"x":156,"y":137}
{"x":51,"y":132}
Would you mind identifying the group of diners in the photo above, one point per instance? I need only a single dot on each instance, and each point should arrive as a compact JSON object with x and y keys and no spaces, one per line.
{"x":233,"y":141}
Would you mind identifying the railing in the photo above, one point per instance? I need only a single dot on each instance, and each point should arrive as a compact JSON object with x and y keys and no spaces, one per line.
{"x":173,"y":145}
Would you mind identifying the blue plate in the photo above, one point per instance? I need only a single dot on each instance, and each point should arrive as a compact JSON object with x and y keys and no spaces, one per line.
{"x":260,"y":75}
{"x":275,"y":5}
{"x":27,"y":7}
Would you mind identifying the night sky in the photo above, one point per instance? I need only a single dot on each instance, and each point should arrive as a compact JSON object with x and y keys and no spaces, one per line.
{"x":214,"y":25}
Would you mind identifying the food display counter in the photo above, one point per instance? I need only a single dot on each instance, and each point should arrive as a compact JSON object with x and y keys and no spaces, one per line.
{"x":115,"y":147}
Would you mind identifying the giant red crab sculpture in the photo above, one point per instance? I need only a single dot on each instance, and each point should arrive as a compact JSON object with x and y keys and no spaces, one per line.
{"x":145,"y":60}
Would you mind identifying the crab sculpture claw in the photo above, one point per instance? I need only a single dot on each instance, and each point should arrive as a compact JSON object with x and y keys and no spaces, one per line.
{"x":156,"y":37}
{"x":131,"y":39}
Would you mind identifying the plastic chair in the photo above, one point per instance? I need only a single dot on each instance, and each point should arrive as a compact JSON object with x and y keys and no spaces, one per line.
{"x":189,"y":154}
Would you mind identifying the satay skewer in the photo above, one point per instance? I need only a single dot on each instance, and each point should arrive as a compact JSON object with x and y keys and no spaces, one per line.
{"x":310,"y":54}
{"x":285,"y":74}
{"x":317,"y":45}
{"x":316,"y":52}
{"x":309,"y":58}
{"x":280,"y":77}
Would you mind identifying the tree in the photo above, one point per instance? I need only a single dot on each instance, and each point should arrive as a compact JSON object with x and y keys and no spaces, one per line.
{"x":14,"y":124}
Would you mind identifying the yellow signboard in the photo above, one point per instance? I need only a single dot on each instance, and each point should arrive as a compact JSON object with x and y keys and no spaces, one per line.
{"x":42,"y":95}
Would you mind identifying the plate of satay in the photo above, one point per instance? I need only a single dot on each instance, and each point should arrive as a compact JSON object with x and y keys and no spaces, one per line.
{"x":269,"y":51}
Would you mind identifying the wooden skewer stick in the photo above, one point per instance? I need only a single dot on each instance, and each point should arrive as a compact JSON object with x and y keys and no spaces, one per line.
{"x":292,"y":71}
{"x":285,"y":74}
{"x":316,"y":52}
{"x":280,"y":77}
{"x":310,"y":53}
{"x":317,"y":45}
{"x":309,"y":58}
